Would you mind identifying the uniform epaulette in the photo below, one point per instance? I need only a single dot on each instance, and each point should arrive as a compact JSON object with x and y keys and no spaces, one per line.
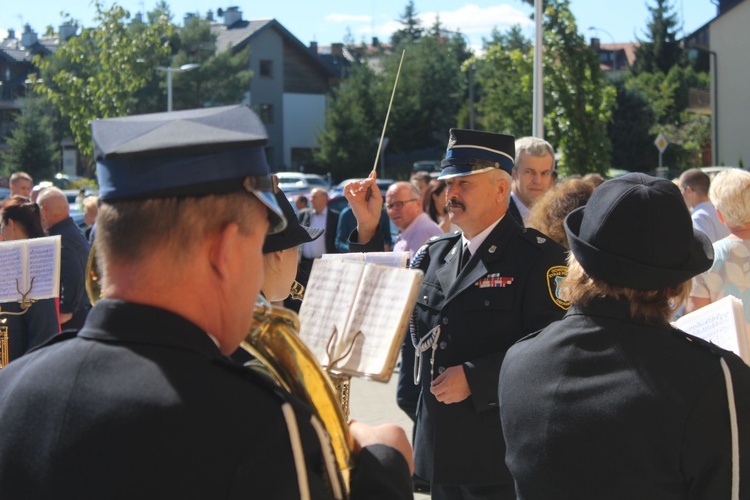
{"x":419,"y":255}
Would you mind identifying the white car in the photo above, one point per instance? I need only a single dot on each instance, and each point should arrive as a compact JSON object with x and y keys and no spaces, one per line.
{"x":296,"y":181}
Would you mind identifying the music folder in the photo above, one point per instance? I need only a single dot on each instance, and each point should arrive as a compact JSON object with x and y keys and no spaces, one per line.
{"x":22,"y":261}
{"x":354,"y":315}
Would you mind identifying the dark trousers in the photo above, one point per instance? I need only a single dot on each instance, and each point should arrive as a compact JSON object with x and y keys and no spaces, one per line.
{"x":473,"y":492}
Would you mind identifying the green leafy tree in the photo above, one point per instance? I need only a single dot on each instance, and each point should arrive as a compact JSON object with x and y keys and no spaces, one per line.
{"x":223,"y":76}
{"x":31,"y":147}
{"x":431,"y":90}
{"x":348,"y":143}
{"x":630,"y":130}
{"x":505,"y":83}
{"x":578,"y":101}
{"x":412,"y":30}
{"x":96,"y":74}
{"x":661,"y":49}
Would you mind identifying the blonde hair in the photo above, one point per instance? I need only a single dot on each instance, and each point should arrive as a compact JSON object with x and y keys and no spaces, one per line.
{"x":730,"y":194}
{"x":648,"y":305}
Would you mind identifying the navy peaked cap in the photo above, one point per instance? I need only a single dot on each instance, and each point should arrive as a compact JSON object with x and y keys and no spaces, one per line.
{"x":184,"y":153}
{"x":472,"y":152}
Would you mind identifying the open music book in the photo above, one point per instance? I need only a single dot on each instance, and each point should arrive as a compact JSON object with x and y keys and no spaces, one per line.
{"x":721,"y":323}
{"x":355,"y":315}
{"x":22,"y":260}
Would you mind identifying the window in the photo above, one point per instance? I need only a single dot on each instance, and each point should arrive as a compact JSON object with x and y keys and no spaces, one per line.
{"x":266,"y":113}
{"x":266,"y":68}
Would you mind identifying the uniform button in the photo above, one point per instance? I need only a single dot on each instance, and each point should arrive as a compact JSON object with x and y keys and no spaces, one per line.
{"x":445,"y":321}
{"x":424,"y":298}
{"x":441,"y":369}
{"x":486,"y":303}
{"x":443,"y":344}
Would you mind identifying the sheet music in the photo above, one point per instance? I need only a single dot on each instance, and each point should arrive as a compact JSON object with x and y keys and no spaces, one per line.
{"x":328,"y":299}
{"x":44,"y":267}
{"x":23,"y":259}
{"x":352,"y":297}
{"x":11,"y":263}
{"x":721,"y":323}
{"x":378,"y":313}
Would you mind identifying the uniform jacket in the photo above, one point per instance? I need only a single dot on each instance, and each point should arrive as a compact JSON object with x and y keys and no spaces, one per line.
{"x":141,"y":404}
{"x":332,"y":223}
{"x":507,"y":290}
{"x":600,"y":405}
{"x":74,"y":256}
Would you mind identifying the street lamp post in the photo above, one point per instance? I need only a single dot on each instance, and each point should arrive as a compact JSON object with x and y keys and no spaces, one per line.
{"x":170,"y":70}
{"x":538,"y":99}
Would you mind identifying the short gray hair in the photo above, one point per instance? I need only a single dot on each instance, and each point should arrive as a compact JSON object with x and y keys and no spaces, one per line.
{"x":730,"y":194}
{"x":534,"y":146}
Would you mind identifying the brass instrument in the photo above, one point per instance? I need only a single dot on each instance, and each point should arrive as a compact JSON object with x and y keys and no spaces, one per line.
{"x":4,"y":330}
{"x":4,"y":354}
{"x":273,"y":341}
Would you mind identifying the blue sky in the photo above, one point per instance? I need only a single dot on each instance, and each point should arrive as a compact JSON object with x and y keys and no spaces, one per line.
{"x":326,"y":21}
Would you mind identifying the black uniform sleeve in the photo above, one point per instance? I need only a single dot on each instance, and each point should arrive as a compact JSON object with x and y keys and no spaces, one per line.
{"x":376,"y":244}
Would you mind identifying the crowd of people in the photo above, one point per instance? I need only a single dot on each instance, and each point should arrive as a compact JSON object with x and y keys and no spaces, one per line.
{"x":539,"y":361}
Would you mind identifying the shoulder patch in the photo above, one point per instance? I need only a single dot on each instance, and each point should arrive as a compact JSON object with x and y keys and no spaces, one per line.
{"x":555,"y":275}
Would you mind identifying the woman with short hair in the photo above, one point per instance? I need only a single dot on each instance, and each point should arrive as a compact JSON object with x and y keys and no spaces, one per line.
{"x":21,"y":220}
{"x":611,"y":401}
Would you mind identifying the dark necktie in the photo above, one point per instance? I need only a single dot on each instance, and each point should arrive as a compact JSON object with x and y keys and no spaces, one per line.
{"x":465,"y":256}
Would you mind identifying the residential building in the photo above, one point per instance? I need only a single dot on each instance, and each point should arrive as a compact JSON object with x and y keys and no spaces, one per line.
{"x":289,"y":87}
{"x":722,"y":45}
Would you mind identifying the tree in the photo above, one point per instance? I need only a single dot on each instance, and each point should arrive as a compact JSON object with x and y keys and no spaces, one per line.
{"x":577,"y":99}
{"x":31,"y":145}
{"x":661,"y":49}
{"x":347,"y":145}
{"x":504,"y":80}
{"x":431,"y":90}
{"x":223,"y":76}
{"x":96,"y":74}
{"x":412,"y":30}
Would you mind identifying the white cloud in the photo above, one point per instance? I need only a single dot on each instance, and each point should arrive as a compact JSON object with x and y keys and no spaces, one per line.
{"x":473,"y":21}
{"x":348,"y":18}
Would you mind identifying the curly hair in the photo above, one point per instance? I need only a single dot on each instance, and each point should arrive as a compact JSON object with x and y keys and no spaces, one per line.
{"x":547,"y":214}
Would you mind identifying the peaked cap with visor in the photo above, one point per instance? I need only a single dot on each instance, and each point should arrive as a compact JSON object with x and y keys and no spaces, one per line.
{"x":195,"y":152}
{"x":473,"y":152}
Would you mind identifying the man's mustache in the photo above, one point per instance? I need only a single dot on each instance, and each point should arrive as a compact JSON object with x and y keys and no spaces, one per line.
{"x":453,"y":203}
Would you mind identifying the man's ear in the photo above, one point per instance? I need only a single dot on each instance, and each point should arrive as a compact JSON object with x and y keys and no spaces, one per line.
{"x":220,"y":250}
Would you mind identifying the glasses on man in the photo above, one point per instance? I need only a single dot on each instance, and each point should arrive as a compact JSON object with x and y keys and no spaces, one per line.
{"x":398,"y":205}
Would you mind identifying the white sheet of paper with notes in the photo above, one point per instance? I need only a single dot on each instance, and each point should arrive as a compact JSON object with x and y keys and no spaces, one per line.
{"x":721,"y":323}
{"x":22,"y":260}
{"x":353,"y":297}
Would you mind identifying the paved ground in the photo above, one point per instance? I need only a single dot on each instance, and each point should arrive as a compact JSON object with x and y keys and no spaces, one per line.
{"x":375,"y":403}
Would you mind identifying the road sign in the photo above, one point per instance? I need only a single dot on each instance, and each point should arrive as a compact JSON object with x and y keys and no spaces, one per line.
{"x":661,"y":143}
